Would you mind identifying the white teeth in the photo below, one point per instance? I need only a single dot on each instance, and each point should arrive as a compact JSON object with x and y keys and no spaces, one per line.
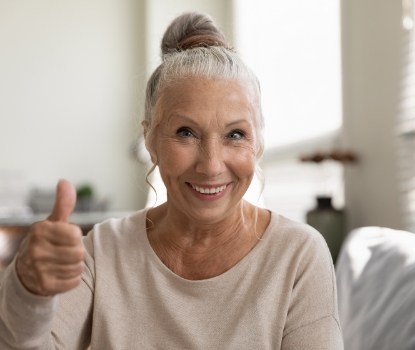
{"x":209,"y":190}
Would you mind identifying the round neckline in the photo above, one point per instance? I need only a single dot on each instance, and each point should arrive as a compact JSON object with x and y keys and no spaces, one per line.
{"x":240,"y":264}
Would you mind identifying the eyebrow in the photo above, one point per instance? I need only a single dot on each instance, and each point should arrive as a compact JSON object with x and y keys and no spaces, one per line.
{"x":191,"y":121}
{"x":180,"y":116}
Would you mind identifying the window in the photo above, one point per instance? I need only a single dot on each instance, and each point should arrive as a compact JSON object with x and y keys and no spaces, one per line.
{"x":294,"y":48}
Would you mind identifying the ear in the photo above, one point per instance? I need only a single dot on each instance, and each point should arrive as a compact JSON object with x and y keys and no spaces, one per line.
{"x":153,"y":156}
{"x":145,"y":126}
{"x":148,"y":142}
{"x":259,"y":152}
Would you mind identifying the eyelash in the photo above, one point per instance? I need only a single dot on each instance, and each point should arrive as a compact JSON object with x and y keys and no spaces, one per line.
{"x":233,"y":132}
{"x":185,"y":132}
{"x":180,"y":132}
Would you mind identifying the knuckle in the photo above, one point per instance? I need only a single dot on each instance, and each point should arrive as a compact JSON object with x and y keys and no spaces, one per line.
{"x":76,"y":272}
{"x":36,"y":230}
{"x":46,"y":284}
{"x":39,"y":231}
{"x":74,"y":235}
{"x":52,"y":286}
{"x":76,"y":281}
{"x":80,"y":254}
{"x":77,"y":232}
{"x":35,"y":252}
{"x":77,"y":257}
{"x":80,"y":269}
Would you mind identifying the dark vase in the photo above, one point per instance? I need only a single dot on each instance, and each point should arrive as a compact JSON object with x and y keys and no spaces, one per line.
{"x":330,"y":222}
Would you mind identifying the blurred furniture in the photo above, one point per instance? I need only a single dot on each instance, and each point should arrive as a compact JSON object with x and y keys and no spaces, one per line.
{"x":10,"y":238}
{"x":376,"y":288}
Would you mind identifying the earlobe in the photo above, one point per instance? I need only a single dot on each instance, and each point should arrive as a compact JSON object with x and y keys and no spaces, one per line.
{"x":152,"y":153}
{"x":153,"y":158}
{"x":145,"y":126}
{"x":148,"y":142}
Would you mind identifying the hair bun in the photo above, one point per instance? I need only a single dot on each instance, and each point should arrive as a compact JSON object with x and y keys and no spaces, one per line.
{"x":191,"y":30}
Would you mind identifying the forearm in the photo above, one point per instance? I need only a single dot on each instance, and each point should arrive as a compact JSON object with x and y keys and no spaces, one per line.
{"x":25,"y":319}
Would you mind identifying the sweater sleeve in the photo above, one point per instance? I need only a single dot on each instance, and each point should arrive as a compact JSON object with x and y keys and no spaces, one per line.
{"x":72,"y":324}
{"x":312,"y":319}
{"x":29,"y":321}
{"x":25,"y":318}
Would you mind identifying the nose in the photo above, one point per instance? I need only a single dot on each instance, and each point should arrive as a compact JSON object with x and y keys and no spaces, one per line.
{"x":210,"y":161}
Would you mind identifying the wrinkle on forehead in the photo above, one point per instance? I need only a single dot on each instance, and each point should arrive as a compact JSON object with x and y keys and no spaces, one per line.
{"x":236,"y":95}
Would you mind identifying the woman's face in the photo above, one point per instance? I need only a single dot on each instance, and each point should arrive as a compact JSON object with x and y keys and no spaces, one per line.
{"x":206,"y":146}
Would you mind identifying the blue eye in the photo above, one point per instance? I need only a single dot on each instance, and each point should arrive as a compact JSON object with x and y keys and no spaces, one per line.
{"x":184,"y":132}
{"x":236,"y":135}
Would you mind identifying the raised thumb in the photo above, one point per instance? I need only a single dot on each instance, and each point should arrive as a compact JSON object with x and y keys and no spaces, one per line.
{"x":65,"y":201}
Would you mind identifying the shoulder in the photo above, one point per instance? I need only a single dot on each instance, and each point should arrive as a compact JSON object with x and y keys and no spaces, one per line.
{"x":118,"y":225}
{"x":296,"y":236}
{"x":116,"y":231}
{"x":304,"y":255}
{"x":309,"y":270}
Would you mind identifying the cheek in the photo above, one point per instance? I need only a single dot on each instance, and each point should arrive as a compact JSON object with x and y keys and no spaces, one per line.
{"x":243,"y":160}
{"x":173,"y":157}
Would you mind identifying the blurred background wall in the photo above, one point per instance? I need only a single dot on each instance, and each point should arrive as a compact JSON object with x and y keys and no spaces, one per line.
{"x":72,"y":80}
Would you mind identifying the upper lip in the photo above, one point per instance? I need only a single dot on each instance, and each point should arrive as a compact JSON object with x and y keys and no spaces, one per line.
{"x":208,"y":185}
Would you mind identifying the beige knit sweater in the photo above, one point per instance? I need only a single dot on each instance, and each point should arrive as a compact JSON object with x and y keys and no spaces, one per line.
{"x":280,"y":296}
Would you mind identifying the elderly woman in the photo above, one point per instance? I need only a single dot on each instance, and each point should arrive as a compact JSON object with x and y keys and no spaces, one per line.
{"x":204,"y":270}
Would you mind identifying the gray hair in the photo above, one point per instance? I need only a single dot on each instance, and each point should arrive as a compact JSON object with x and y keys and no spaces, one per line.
{"x":193,"y":46}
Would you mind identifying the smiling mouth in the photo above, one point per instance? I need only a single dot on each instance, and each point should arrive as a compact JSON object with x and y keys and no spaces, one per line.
{"x":209,"y":190}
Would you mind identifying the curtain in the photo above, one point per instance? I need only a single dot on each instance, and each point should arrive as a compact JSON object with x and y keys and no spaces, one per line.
{"x":406,"y":121}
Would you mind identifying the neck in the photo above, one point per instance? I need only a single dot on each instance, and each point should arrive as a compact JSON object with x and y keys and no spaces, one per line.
{"x":202,"y":250}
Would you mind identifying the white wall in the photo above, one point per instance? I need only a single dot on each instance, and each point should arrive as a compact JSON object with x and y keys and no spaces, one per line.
{"x":72,"y":81}
{"x":372,"y":37}
{"x":71,"y":77}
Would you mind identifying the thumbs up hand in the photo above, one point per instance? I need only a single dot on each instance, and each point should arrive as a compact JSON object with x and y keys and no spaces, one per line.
{"x":50,"y":259}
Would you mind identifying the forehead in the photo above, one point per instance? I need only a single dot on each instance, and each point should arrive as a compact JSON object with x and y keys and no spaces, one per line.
{"x":204,"y":95}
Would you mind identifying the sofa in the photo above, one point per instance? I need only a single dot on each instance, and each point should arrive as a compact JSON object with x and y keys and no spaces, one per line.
{"x":376,"y":289}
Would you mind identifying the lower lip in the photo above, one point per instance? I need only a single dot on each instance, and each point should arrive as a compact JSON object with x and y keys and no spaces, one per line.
{"x":208,"y":197}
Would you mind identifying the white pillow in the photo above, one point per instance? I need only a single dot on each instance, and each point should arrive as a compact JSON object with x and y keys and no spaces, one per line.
{"x":376,"y":288}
